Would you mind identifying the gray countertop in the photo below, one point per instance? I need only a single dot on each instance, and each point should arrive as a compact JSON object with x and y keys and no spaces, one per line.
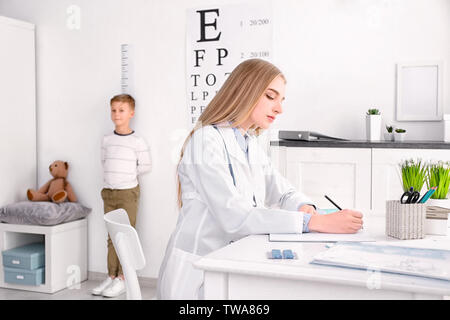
{"x":407,"y":144}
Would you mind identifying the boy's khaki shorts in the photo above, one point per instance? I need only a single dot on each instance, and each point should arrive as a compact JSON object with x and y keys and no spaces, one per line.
{"x":127,"y":199}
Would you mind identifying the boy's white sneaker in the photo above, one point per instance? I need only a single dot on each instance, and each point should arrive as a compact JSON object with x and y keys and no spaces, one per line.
{"x":116,"y":288}
{"x":97,"y":291}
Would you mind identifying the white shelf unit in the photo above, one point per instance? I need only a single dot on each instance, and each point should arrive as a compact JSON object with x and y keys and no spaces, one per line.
{"x":65,"y":244}
{"x":65,"y":252}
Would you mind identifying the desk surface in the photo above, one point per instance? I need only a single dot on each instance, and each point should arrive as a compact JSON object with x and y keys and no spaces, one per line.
{"x":249,"y":256}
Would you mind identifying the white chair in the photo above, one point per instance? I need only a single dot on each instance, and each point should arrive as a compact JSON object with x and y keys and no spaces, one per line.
{"x":128,"y":248}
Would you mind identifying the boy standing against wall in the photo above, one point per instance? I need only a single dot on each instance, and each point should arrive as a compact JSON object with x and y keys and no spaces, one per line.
{"x":125,"y":155}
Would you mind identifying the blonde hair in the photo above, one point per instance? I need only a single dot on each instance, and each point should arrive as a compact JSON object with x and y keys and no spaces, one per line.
{"x":124,"y":98}
{"x":236,"y":99}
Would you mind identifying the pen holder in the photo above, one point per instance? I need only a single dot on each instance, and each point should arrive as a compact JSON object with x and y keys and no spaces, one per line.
{"x":405,"y":221}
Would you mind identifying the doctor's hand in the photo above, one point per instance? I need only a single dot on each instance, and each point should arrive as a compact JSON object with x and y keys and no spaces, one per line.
{"x":344,"y":221}
{"x":308,"y":209}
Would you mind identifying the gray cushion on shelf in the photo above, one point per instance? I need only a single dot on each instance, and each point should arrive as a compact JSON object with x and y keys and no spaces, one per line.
{"x":42,"y":212}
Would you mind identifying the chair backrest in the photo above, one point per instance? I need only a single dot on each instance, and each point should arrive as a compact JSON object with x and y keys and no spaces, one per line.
{"x":117,"y":221}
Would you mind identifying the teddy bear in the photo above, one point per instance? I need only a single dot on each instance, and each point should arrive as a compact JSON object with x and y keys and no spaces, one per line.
{"x":56,"y":190}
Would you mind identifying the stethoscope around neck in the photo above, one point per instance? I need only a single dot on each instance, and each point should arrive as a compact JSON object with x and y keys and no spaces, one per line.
{"x":230,"y":167}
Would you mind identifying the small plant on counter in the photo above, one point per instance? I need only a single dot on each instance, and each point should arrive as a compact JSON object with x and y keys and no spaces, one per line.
{"x":438,"y":175}
{"x":413,"y":174}
{"x":373,"y":112}
{"x":389,"y":135}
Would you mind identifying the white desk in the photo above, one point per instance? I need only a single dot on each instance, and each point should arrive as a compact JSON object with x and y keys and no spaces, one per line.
{"x":241,"y":270}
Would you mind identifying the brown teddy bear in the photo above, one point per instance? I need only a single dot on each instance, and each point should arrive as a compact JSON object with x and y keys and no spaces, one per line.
{"x":58,"y":189}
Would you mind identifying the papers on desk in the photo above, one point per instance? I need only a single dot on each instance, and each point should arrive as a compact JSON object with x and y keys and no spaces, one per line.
{"x":429,"y":263}
{"x":360,"y":236}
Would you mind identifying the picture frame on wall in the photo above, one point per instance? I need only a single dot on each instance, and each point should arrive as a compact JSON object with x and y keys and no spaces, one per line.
{"x":419,"y":91}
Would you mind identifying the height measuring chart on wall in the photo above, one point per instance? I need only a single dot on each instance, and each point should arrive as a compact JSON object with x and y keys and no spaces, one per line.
{"x":218,"y":39}
{"x":127,"y":69}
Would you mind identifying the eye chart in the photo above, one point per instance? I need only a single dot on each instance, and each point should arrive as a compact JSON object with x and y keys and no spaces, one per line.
{"x":218,"y":38}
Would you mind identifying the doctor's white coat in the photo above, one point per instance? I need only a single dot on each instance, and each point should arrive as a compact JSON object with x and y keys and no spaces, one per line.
{"x":216,"y":212}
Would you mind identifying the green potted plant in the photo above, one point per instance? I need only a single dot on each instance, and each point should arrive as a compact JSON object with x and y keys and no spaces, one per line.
{"x":399,"y":134}
{"x":413,"y":174}
{"x":373,"y":124}
{"x":389,"y":135}
{"x":438,"y":175}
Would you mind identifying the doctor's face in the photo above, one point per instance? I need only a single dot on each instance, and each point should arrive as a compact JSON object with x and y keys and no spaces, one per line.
{"x":269,"y":104}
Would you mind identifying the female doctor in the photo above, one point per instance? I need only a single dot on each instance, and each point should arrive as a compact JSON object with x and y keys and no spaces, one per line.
{"x":227,"y":187}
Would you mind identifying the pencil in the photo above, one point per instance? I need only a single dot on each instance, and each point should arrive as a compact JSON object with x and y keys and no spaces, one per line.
{"x":362,"y":227}
{"x":333,"y":202}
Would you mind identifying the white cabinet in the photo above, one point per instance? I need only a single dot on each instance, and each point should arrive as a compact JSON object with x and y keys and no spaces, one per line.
{"x":18,"y":110}
{"x":65,"y":253}
{"x":343,"y":174}
{"x":360,"y":178}
{"x":386,"y":173}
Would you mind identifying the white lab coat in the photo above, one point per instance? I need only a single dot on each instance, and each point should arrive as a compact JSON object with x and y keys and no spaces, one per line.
{"x":215,"y":212}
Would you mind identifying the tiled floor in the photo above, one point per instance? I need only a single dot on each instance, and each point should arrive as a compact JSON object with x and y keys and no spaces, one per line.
{"x":81,"y":293}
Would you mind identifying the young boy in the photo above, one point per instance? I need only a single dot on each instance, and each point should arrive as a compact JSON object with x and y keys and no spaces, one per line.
{"x":125,"y":155}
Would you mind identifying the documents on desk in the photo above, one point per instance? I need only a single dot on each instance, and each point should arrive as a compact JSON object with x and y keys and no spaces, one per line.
{"x":428,"y":263}
{"x":360,"y":236}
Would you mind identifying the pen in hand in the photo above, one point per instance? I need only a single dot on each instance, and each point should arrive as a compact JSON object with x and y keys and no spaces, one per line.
{"x":333,"y":202}
{"x":336,"y":205}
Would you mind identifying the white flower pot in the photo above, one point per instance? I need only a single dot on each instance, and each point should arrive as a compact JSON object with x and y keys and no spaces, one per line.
{"x":388,"y":136}
{"x":399,"y":136}
{"x":373,"y":127}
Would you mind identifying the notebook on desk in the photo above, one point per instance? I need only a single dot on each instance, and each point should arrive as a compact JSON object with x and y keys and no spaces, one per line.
{"x":429,"y":263}
{"x":360,"y":236}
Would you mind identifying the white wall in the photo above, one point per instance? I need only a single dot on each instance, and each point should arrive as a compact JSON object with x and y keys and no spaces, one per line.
{"x":18,"y":111}
{"x":78,"y":72}
{"x":338,"y":56}
{"x":340,"y":60}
